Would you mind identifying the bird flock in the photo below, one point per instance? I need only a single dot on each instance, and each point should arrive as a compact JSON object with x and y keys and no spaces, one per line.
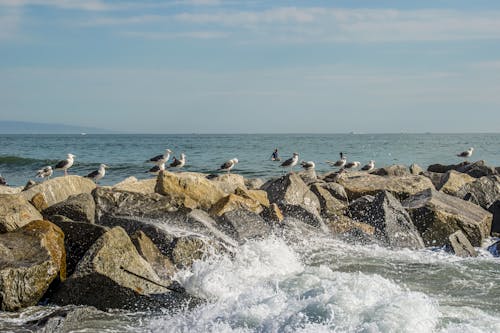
{"x":160,"y":162}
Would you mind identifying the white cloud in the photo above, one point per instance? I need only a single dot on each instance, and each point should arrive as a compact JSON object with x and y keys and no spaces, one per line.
{"x":177,"y":35}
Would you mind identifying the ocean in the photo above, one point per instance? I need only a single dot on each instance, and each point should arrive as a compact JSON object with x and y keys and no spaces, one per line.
{"x":274,"y":285}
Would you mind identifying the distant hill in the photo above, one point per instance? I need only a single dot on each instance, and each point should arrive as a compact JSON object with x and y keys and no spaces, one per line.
{"x":22,"y":127}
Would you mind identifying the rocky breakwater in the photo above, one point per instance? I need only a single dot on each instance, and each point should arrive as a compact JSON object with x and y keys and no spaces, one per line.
{"x":121,"y":246}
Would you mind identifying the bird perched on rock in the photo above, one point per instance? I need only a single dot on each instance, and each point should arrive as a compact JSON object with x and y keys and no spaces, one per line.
{"x":369,"y":167}
{"x":3,"y":181}
{"x":160,"y":159}
{"x":467,"y":153}
{"x":45,"y":172}
{"x":156,"y":169}
{"x":352,"y":165}
{"x":178,"y":163}
{"x":98,"y":174}
{"x":340,"y":163}
{"x":308,"y":165}
{"x":227,"y":166}
{"x":291,"y":162}
{"x":65,"y":164}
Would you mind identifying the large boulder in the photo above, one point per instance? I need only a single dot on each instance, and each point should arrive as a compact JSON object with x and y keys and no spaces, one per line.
{"x":162,"y":265}
{"x":78,"y":207}
{"x":435,"y":177}
{"x":30,"y":259}
{"x":391,"y":221}
{"x":416,"y":169}
{"x":112,"y":274}
{"x":330,"y":206}
{"x":392,"y":170}
{"x":477,"y":169}
{"x":253,"y":183}
{"x":441,"y":168}
{"x":459,"y":245}
{"x":295,"y":199}
{"x":308,"y":176}
{"x":400,"y":186}
{"x":229,"y":182}
{"x":494,"y":249}
{"x":193,"y":190}
{"x":132,"y":184}
{"x":452,"y":181}
{"x":59,"y":189}
{"x":242,"y":224}
{"x":235,"y":202}
{"x":337,"y":190}
{"x":9,"y":190}
{"x":258,"y":195}
{"x":437,"y":215}
{"x":495,"y":224}
{"x":485,"y":190}
{"x":15,"y":212}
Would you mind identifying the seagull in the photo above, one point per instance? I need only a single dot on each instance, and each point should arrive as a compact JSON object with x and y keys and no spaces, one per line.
{"x":352,"y":165}
{"x":160,"y":159}
{"x":340,"y":163}
{"x":178,"y":163}
{"x":65,"y":164}
{"x":291,"y":162}
{"x":467,"y":153}
{"x":308,"y":165}
{"x":229,"y":165}
{"x":156,"y":169}
{"x":3,"y":181}
{"x":97,"y":174}
{"x":45,"y":172}
{"x":369,"y":167}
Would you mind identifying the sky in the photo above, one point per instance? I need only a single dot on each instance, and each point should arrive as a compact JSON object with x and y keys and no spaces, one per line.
{"x":217,"y":66}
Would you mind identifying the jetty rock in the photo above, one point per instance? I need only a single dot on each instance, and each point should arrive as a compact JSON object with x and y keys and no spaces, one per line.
{"x":78,"y":207}
{"x":459,"y":245}
{"x":485,"y":190}
{"x":31,"y":258}
{"x":132,"y":184}
{"x":15,"y":212}
{"x":452,"y":181}
{"x":9,"y":190}
{"x":392,"y":170}
{"x":495,"y":225}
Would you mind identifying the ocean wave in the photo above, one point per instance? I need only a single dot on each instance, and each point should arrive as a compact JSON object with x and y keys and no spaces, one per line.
{"x":17,"y":160}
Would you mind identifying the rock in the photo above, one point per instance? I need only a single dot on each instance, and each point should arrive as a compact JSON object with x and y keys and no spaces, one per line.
{"x":337,"y":190}
{"x":30,"y":259}
{"x":10,"y":190}
{"x":435,"y":177}
{"x":235,"y":202}
{"x":253,"y":183}
{"x":78,"y":238}
{"x":495,"y":225}
{"x":29,"y":185}
{"x":477,"y":169}
{"x":59,"y":189}
{"x":38,"y":201}
{"x":148,"y":250}
{"x":437,"y":215}
{"x":191,"y":189}
{"x":415,"y":169}
{"x":391,"y":221}
{"x":242,"y":224}
{"x":494,"y":249}
{"x":399,"y":186}
{"x":440,"y":168}
{"x":229,"y":182}
{"x":185,"y":250}
{"x":333,"y":176}
{"x":78,"y":207}
{"x":273,"y":214}
{"x":345,"y":225}
{"x":392,"y":170}
{"x":295,"y":199}
{"x":452,"y":181}
{"x":330,"y":206}
{"x":15,"y":212}
{"x":112,"y":274}
{"x":486,"y":190}
{"x":459,"y":245}
{"x":308,"y":176}
{"x":131,"y":184}
{"x":258,"y":195}
{"x":497,"y":169}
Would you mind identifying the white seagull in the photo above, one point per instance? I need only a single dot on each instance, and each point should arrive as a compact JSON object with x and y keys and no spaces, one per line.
{"x":369,"y":167}
{"x":291,"y":162}
{"x":160,"y":159}
{"x":45,"y":172}
{"x":227,"y":166}
{"x":308,"y":165}
{"x":340,"y":163}
{"x":98,"y":174}
{"x":178,"y":163}
{"x":156,"y":169}
{"x":352,"y":165}
{"x":467,"y":153}
{"x":65,"y":164}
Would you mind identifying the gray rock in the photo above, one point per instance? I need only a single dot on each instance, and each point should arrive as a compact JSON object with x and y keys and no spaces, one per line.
{"x":253,"y":183}
{"x":242,"y":225}
{"x":415,"y":169}
{"x":486,"y":190}
{"x":390,"y":220}
{"x":495,"y":225}
{"x":494,"y":249}
{"x":440,"y":168}
{"x":437,"y":215}
{"x":337,"y":190}
{"x":392,"y":170}
{"x":308,"y":176}
{"x":15,"y":212}
{"x":330,"y":206}
{"x":460,"y":245}
{"x":162,"y":265}
{"x":435,"y":177}
{"x":477,"y":169}
{"x":78,"y":207}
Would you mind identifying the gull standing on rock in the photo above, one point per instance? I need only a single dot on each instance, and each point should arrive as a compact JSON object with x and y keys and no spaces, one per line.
{"x":291,"y":162}
{"x":65,"y":164}
{"x":178,"y":163}
{"x":98,"y":174}
{"x":308,"y":165}
{"x":3,"y":181}
{"x":340,"y":163}
{"x":45,"y":172}
{"x":227,"y":166}
{"x":156,"y":169}
{"x":369,"y":167}
{"x":160,"y":159}
{"x":352,"y":165}
{"x":467,"y":153}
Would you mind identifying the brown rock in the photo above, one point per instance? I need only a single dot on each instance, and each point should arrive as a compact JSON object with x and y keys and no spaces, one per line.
{"x":229,"y":182}
{"x":272,"y":214}
{"x":148,"y":250}
{"x":392,"y":170}
{"x":452,"y":181}
{"x":459,"y":245}
{"x":79,"y":207}
{"x":415,"y":169}
{"x":258,"y":195}
{"x":330,"y":206}
{"x":235,"y":202}
{"x":15,"y":212}
{"x":131,"y":184}
{"x":38,"y":201}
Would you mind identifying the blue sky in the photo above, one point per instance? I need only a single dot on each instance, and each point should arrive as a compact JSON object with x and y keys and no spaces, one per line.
{"x":215,"y":66}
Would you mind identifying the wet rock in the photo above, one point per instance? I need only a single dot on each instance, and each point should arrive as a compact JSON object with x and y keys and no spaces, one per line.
{"x":253,"y":183}
{"x":132,"y":184}
{"x":273,"y":214}
{"x":59,"y":189}
{"x":392,"y":170}
{"x":185,"y":250}
{"x":495,"y":225}
{"x":79,"y":207}
{"x":415,"y":169}
{"x":193,"y":190}
{"x":486,"y":190}
{"x":337,"y":190}
{"x":162,"y":265}
{"x":391,"y":221}
{"x":441,"y":168}
{"x":477,"y":169}
{"x":330,"y":206}
{"x":242,"y":225}
{"x":15,"y":212}
{"x":459,"y":245}
{"x":235,"y":202}
{"x":30,"y":259}
{"x":258,"y":195}
{"x":399,"y":186}
{"x":494,"y":249}
{"x":343,"y":225}
{"x":452,"y":181}
{"x":435,"y":177}
{"x":437,"y":215}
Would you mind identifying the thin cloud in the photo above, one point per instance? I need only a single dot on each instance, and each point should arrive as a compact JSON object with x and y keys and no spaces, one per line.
{"x":177,"y":35}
